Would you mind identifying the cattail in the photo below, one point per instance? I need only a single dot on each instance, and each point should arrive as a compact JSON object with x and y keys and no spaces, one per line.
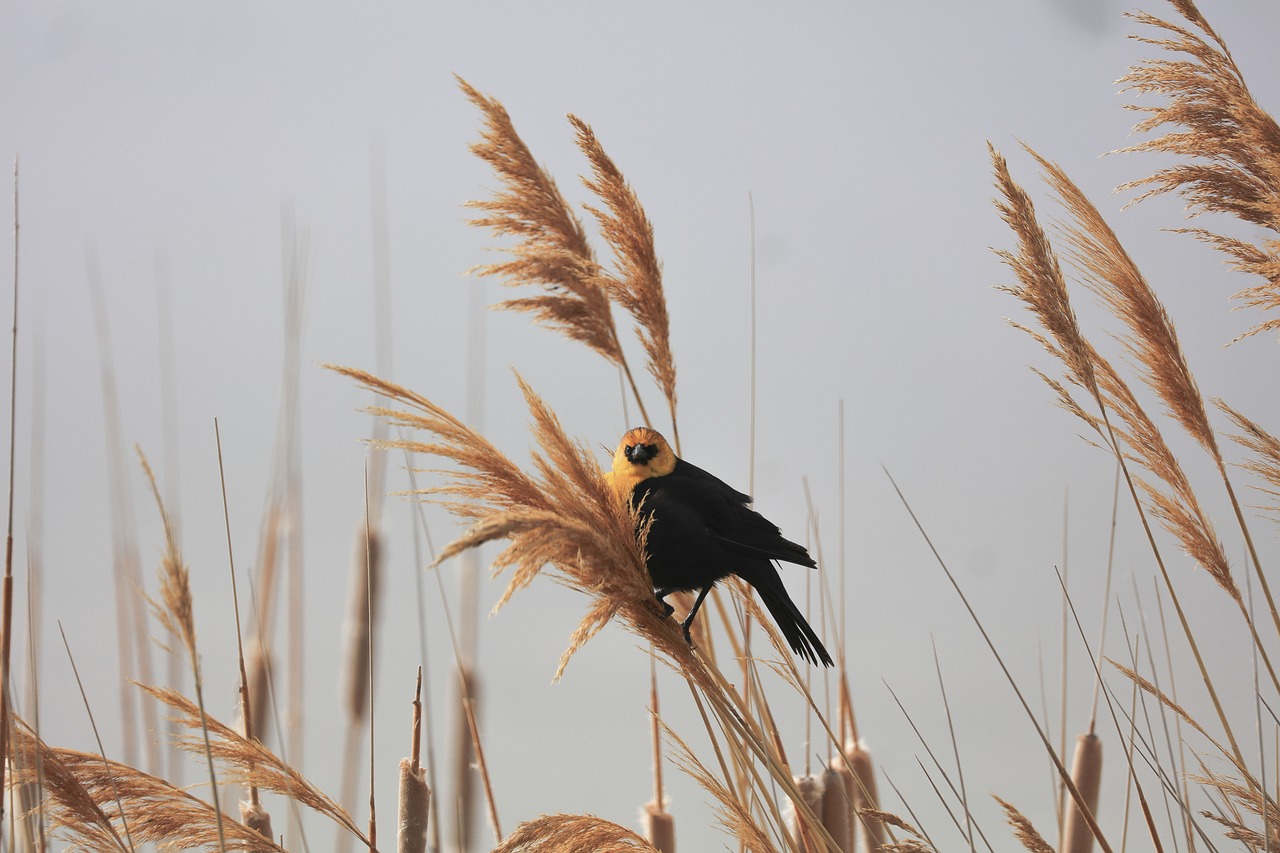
{"x":465,"y":802}
{"x":1086,"y":773}
{"x":254,"y":816}
{"x":415,"y":805}
{"x":810,"y":788}
{"x":837,"y":804}
{"x":257,"y":662}
{"x":865,"y":797}
{"x":659,"y":827}
{"x":415,"y":795}
{"x":362,"y":597}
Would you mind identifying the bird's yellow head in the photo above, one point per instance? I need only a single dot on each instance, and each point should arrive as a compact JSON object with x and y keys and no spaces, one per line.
{"x":642,"y":453}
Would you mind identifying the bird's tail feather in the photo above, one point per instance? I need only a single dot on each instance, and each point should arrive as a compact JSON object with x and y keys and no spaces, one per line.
{"x":800,"y":636}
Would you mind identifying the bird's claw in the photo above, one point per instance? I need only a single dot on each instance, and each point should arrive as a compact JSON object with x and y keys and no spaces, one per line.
{"x":684,"y":630}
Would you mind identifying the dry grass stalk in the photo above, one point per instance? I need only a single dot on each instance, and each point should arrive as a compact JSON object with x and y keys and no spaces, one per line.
{"x":1025,"y":832}
{"x":563,"y":833}
{"x":6,"y":620}
{"x":1086,"y":773}
{"x":86,"y":793}
{"x":638,"y":286}
{"x":248,"y":763}
{"x":1232,"y":145}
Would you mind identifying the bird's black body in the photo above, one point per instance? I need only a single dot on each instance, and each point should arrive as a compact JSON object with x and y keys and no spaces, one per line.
{"x":703,"y":531}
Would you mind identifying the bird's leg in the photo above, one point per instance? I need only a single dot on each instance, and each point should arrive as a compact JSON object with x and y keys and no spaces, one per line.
{"x":688,"y":620}
{"x":661,"y":595}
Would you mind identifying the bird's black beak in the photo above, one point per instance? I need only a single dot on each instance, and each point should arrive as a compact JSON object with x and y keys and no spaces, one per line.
{"x":641,"y":453}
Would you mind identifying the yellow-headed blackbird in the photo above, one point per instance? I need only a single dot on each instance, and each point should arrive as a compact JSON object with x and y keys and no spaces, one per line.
{"x":703,"y":530}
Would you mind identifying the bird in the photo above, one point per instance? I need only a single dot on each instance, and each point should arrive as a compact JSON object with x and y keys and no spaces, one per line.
{"x":704,"y":530}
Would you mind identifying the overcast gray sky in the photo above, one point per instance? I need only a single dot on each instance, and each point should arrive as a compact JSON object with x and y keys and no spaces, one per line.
{"x":170,"y":141}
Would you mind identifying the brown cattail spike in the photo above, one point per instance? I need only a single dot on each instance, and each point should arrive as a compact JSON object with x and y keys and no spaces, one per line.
{"x":414,"y":808}
{"x":254,"y":816}
{"x":659,"y":828}
{"x":810,"y":788}
{"x":864,"y":784}
{"x":837,"y":807}
{"x":1086,"y":773}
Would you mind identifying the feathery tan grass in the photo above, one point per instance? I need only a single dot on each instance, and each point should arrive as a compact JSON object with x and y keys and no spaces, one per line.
{"x":1025,"y":832}
{"x":638,"y":286}
{"x":247,"y":762}
{"x":86,"y":790}
{"x":554,"y":252}
{"x":1266,"y":452}
{"x":564,"y":833}
{"x":1229,"y":146}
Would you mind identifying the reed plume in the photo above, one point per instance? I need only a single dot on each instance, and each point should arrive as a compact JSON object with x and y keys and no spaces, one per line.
{"x":1024,"y":831}
{"x":1131,"y":435}
{"x":246,"y":762}
{"x":638,"y":285}
{"x":88,"y":794}
{"x":554,"y":253}
{"x":565,"y":833}
{"x":563,"y":518}
{"x":1265,"y":448}
{"x":1230,"y":145}
{"x":914,"y":842}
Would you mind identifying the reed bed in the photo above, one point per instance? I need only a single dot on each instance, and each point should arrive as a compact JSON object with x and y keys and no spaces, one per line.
{"x":555,"y":518}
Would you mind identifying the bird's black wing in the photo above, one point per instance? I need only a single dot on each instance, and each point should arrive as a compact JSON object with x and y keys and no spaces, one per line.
{"x":728,"y":518}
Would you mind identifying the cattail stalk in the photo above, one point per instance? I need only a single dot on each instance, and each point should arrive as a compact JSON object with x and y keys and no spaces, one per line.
{"x":659,"y":827}
{"x":6,"y":626}
{"x":1086,"y":773}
